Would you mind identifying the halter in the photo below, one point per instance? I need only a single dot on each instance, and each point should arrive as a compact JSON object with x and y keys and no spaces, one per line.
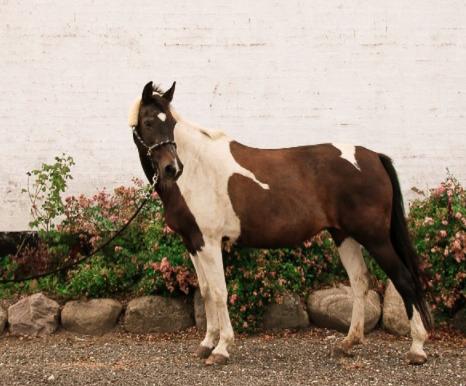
{"x":150,"y":148}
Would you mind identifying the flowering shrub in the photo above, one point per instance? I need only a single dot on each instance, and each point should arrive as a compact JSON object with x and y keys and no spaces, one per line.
{"x":438,"y":225}
{"x":255,"y":277}
{"x":148,"y":258}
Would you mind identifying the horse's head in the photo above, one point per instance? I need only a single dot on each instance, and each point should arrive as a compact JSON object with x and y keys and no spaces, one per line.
{"x":153,"y":126}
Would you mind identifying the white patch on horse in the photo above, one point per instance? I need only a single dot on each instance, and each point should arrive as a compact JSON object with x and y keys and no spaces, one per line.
{"x":162,"y":116}
{"x":208,"y":163}
{"x":348,"y":152}
{"x":418,"y":333}
{"x":353,"y":261}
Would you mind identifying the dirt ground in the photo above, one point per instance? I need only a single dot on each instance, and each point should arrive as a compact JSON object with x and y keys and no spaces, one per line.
{"x":285,"y":358}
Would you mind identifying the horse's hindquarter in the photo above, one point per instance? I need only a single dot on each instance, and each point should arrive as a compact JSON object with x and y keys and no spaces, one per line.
{"x":310,"y":188}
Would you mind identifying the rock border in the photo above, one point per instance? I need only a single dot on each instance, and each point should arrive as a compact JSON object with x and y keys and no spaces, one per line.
{"x":148,"y":314}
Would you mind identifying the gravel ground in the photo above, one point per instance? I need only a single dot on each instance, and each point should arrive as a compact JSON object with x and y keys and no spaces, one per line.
{"x":286,"y":358}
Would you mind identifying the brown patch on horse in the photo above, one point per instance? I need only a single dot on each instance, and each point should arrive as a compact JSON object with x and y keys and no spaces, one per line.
{"x":179,"y":217}
{"x":311,"y":188}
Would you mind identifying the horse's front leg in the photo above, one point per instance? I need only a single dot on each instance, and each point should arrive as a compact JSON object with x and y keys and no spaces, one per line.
{"x":211,"y":264}
{"x":207,"y":345}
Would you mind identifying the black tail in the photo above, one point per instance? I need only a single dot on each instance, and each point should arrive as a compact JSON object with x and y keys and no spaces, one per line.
{"x":402,"y":243}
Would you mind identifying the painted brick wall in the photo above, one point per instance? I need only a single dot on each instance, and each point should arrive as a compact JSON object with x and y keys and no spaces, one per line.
{"x":390,"y":75}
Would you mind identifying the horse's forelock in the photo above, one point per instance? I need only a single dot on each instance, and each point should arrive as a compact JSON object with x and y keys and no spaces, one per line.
{"x":157,"y":90}
{"x":134,"y":113}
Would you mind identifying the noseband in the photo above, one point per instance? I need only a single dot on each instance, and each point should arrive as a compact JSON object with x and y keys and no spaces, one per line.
{"x":150,"y":148}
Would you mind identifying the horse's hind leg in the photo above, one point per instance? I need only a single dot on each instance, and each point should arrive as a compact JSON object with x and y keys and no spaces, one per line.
{"x":353,"y":261}
{"x":391,"y":263}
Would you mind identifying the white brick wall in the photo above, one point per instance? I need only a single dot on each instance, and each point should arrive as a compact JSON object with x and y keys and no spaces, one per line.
{"x":390,"y":75}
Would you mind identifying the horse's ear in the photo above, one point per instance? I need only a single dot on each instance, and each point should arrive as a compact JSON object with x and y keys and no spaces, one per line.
{"x":168,"y":95}
{"x":147,"y":93}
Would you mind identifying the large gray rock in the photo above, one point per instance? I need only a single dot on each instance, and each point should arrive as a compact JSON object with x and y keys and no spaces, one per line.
{"x":3,"y":319}
{"x":290,"y":313}
{"x":199,"y":311}
{"x":331,"y":308}
{"x":394,"y":319}
{"x":158,"y":314}
{"x":93,"y":317}
{"x":33,"y":316}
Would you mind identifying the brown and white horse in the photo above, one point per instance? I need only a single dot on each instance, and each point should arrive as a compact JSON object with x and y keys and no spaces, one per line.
{"x":265,"y":198}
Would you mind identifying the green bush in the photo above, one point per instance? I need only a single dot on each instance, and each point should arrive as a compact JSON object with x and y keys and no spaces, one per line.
{"x":148,"y":258}
{"x":438,"y":226}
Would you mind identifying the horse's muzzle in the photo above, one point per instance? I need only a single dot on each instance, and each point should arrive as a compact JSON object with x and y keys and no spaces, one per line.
{"x":173,"y":171}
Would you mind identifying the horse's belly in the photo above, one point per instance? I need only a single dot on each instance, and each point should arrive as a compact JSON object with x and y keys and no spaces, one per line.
{"x":274,"y":218}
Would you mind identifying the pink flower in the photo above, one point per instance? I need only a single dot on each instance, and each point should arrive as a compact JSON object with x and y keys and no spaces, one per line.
{"x":443,"y":233}
{"x":233,"y":298}
{"x":456,"y":245}
{"x":439,"y":191}
{"x":428,"y":221}
{"x":167,"y":230}
{"x":308,"y":244}
{"x":118,"y":248}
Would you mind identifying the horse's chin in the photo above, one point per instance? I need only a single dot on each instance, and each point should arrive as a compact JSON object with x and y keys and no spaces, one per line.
{"x":166,"y":184}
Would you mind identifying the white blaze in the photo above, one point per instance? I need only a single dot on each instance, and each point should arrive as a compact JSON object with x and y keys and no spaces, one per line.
{"x":162,"y":116}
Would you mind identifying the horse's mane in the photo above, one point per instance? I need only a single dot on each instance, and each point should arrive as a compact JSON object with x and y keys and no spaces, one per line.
{"x":134,"y":115}
{"x":210,"y":133}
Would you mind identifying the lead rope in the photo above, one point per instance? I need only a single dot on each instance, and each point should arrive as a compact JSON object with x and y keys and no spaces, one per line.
{"x":147,"y":197}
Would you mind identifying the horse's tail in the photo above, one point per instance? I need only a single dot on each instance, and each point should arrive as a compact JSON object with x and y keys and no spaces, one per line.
{"x":402,"y":243}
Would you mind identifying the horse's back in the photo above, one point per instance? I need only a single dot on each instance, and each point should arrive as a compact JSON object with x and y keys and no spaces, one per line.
{"x":310,"y":188}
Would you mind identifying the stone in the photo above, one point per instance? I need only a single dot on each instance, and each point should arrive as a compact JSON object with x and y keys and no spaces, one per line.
{"x":459,"y":320}
{"x":92,"y":317}
{"x":158,"y":314}
{"x":332,"y":307}
{"x":289,"y":313}
{"x":35,"y":315}
{"x":394,"y":318}
{"x":199,"y":311}
{"x":3,"y":319}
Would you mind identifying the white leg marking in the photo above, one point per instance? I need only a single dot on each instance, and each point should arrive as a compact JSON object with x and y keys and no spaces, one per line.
{"x":348,"y":152}
{"x":212,"y":330}
{"x":210,"y":259}
{"x":351,"y":257}
{"x":418,"y":333}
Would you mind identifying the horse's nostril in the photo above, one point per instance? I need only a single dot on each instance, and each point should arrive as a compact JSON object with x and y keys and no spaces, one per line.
{"x":170,"y":171}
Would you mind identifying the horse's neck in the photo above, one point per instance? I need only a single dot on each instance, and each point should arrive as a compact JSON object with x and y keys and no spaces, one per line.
{"x":198,"y":146}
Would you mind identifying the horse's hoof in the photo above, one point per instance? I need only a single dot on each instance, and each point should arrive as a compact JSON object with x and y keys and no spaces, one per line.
{"x":203,"y":352}
{"x":416,"y":358}
{"x":343,"y":349}
{"x":216,"y":359}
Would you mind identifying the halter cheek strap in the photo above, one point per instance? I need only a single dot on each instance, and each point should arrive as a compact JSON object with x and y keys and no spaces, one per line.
{"x":155,"y":145}
{"x":150,"y":148}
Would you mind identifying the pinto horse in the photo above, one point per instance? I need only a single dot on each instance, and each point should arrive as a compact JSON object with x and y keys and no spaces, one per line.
{"x":215,"y":189}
